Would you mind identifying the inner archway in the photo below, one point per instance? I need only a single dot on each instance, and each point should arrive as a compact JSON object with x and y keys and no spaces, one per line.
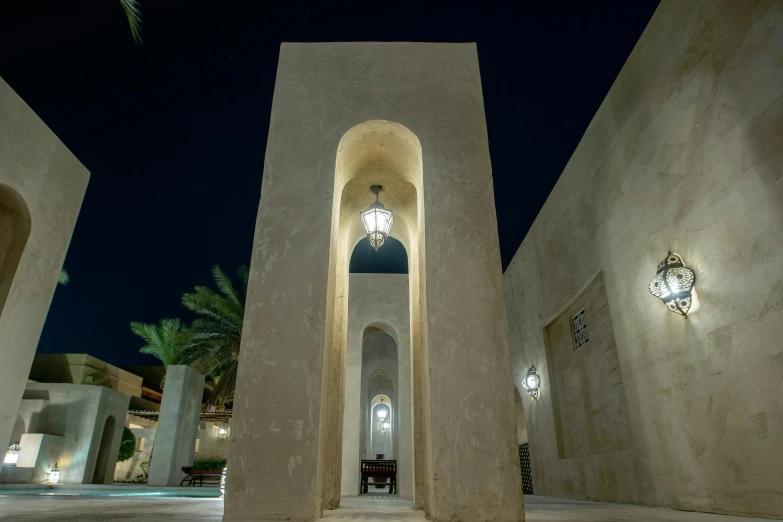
{"x":14,"y":232}
{"x":104,"y":452}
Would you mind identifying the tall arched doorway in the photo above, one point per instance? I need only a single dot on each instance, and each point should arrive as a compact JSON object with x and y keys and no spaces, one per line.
{"x":14,"y":232}
{"x":104,"y":451}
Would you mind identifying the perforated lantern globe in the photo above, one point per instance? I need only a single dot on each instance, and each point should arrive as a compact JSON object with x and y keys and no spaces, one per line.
{"x":377,"y":220}
{"x":12,"y":455}
{"x":385,"y":426}
{"x":222,"y":433}
{"x":673,"y":284}
{"x":532,"y":382}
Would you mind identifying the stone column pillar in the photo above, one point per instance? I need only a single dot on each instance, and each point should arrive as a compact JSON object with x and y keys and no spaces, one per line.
{"x":41,"y":189}
{"x":175,"y":439}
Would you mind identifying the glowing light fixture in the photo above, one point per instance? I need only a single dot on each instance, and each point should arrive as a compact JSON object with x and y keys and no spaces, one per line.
{"x":673,"y":284}
{"x":377,"y":220}
{"x":222,"y":433}
{"x":385,"y":426}
{"x":53,"y":476}
{"x":532,"y":382}
{"x":12,"y":455}
{"x":223,"y":482}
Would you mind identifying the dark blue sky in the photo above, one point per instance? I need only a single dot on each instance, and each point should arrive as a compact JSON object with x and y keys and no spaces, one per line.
{"x":174,"y":132}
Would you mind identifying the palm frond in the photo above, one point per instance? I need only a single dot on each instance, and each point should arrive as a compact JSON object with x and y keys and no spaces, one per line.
{"x":63,"y":278}
{"x":133,"y":14}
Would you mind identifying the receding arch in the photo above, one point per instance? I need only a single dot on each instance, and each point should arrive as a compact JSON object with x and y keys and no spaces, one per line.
{"x":14,"y":232}
{"x":391,"y":258}
{"x":104,"y":457}
{"x":389,"y":154}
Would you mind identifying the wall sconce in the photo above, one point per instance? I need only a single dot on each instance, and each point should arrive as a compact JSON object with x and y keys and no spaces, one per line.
{"x":53,"y":476}
{"x":532,"y":382}
{"x":673,"y":284}
{"x":385,"y":426}
{"x":222,"y":433}
{"x":12,"y":455}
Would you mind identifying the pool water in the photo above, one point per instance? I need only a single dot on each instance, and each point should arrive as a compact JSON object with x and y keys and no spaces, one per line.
{"x":116,"y":490}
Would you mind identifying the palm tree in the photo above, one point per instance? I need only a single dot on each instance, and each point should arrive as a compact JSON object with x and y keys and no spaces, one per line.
{"x":133,"y":14}
{"x":217,"y":333}
{"x":167,"y":341}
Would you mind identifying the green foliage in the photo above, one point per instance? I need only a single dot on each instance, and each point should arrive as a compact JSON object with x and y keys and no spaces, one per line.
{"x":64,"y":278}
{"x":216,"y":335}
{"x":166,"y":341}
{"x":132,"y":12}
{"x":145,"y":468}
{"x":209,"y":464}
{"x":127,"y":446}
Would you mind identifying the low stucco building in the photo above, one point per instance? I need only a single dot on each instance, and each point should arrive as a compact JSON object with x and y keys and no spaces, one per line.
{"x":684,"y":155}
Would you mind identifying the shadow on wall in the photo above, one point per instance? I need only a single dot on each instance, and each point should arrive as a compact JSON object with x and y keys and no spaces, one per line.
{"x":14,"y":232}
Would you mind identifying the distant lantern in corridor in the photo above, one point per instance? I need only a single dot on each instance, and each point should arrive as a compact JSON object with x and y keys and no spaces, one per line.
{"x":532,"y":382}
{"x":673,"y":284}
{"x":222,"y":433}
{"x":377,"y":220}
{"x":12,"y":455}
{"x":385,"y":426}
{"x":53,"y":476}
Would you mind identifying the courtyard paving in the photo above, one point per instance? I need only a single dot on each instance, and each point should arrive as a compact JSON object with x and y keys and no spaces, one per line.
{"x":375,"y":509}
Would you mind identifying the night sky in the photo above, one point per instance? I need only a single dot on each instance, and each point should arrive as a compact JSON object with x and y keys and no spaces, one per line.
{"x":174,"y":132}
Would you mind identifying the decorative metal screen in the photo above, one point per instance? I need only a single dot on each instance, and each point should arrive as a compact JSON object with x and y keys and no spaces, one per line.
{"x":579,"y":329}
{"x":524,"y":461}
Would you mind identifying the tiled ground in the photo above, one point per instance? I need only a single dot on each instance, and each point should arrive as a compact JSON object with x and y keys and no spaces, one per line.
{"x":378,"y":509}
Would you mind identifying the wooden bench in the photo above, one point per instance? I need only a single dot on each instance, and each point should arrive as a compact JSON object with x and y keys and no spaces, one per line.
{"x":378,"y":469}
{"x":199,"y":475}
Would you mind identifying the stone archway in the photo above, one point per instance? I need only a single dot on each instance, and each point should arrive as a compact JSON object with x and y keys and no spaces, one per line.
{"x":14,"y":233}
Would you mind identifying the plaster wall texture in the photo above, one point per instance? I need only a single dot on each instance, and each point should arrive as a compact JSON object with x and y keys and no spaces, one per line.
{"x":519,"y":409}
{"x":80,"y":368}
{"x":175,"y":439}
{"x":79,"y":413}
{"x":41,"y":189}
{"x":683,"y":155}
{"x":131,"y":468}
{"x":30,"y":415}
{"x":377,"y":301}
{"x":345,"y":116}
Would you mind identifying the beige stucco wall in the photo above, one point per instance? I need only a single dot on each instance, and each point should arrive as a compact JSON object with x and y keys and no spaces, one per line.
{"x":37,"y":168}
{"x":345,"y":116}
{"x":81,"y":368}
{"x":684,"y":154}
{"x":380,"y":301}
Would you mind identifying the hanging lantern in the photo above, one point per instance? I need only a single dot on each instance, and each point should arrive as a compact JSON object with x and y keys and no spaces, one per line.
{"x":673,"y":284}
{"x":12,"y":455}
{"x":222,"y":433}
{"x":532,"y":382}
{"x":377,"y":220}
{"x":223,"y":482}
{"x":385,"y":426}
{"x":53,"y":476}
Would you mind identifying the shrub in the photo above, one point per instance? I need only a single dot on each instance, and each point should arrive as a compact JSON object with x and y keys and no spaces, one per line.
{"x":127,"y":446}
{"x":209,"y":464}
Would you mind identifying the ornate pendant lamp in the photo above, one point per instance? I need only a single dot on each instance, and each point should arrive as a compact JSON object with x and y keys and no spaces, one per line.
{"x":532,"y":382}
{"x":383,"y":413}
{"x":377,"y":220}
{"x":673,"y":284}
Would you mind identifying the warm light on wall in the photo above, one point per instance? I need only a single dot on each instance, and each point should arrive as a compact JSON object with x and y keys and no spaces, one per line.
{"x":12,"y":455}
{"x":53,"y":476}
{"x":674,"y":284}
{"x":377,"y":220}
{"x":532,"y":382}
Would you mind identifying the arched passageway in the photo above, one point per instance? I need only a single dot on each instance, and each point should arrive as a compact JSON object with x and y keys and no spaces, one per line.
{"x":14,"y":232}
{"x":103,"y":461}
